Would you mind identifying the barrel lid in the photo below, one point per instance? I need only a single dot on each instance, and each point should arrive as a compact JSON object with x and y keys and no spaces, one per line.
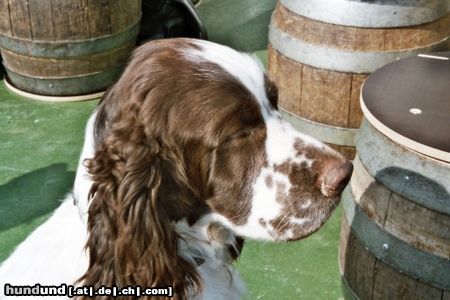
{"x":409,"y":101}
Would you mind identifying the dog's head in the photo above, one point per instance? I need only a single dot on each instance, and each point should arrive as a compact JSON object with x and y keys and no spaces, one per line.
{"x":191,"y":130}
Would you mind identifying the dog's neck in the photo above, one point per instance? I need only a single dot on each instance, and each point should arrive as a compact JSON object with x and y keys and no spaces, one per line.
{"x":207,"y":241}
{"x":212,"y":248}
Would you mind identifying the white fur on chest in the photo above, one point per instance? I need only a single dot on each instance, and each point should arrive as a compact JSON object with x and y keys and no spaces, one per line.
{"x":54,"y":254}
{"x":220,"y":278}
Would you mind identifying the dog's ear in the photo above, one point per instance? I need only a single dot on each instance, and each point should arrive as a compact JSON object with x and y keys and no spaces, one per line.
{"x":132,"y":240}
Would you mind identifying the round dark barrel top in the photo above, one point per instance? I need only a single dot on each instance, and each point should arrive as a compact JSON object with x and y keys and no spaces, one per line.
{"x":409,"y":101}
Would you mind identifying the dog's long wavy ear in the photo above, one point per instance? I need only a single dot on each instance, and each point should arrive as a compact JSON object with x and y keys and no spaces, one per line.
{"x":131,"y":237}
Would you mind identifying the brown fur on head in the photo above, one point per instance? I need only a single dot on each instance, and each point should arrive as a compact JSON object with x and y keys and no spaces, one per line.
{"x":191,"y":131}
{"x":138,"y":173}
{"x":152,"y":166}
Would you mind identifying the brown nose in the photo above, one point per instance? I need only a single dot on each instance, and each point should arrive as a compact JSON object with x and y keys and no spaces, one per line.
{"x":336,"y":178}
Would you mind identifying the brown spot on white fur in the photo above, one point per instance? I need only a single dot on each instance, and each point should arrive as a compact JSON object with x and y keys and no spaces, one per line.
{"x":269,"y":181}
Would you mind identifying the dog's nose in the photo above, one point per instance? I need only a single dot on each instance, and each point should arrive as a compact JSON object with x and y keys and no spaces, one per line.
{"x":336,"y":178}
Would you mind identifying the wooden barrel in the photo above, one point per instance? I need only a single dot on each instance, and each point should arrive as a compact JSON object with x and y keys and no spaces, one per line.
{"x":321,"y":51}
{"x":395,"y":238}
{"x":69,"y":47}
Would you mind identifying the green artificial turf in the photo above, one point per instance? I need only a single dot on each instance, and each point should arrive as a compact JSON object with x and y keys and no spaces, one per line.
{"x":39,"y":147}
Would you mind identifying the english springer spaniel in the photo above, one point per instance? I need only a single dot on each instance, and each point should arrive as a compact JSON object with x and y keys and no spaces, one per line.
{"x":184,"y":155}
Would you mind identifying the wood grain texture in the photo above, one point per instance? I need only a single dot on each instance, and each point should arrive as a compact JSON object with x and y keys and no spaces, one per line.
{"x":272,"y":64}
{"x":324,"y":96}
{"x":288,"y":76}
{"x":71,"y":20}
{"x":289,"y":83}
{"x":355,"y":113}
{"x":358,"y":265}
{"x":41,"y":23}
{"x":371,"y":197}
{"x":343,"y":248}
{"x":5,"y":24}
{"x":416,"y":225}
{"x":123,"y":13}
{"x":20,"y":19}
{"x":360,"y":39}
{"x":297,"y":83}
{"x":99,"y":20}
{"x":40,"y":66}
{"x":391,"y":284}
{"x":117,"y":13}
{"x":370,"y":278}
{"x":319,"y":95}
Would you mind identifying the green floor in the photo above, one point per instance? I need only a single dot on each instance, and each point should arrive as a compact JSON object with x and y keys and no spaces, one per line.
{"x":39,"y":147}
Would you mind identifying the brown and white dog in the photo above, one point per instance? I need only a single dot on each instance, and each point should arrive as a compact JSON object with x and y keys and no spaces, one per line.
{"x":184,"y":155}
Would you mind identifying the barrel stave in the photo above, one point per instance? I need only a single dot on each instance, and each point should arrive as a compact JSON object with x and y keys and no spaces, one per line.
{"x":99,"y":15}
{"x":325,"y":96}
{"x":41,"y":24}
{"x":123,"y":13}
{"x":19,"y":19}
{"x":70,"y":19}
{"x":423,"y":228}
{"x":357,"y":268}
{"x":5,"y":26}
{"x":320,"y":95}
{"x":368,"y":277}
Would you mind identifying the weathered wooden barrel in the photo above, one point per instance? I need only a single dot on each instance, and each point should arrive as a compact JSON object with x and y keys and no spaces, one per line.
{"x":395,"y":238}
{"x":69,"y":47}
{"x":321,"y":51}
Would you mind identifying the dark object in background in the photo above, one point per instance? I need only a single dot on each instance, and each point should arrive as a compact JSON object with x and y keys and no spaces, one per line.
{"x":170,"y":18}
{"x":240,"y":24}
